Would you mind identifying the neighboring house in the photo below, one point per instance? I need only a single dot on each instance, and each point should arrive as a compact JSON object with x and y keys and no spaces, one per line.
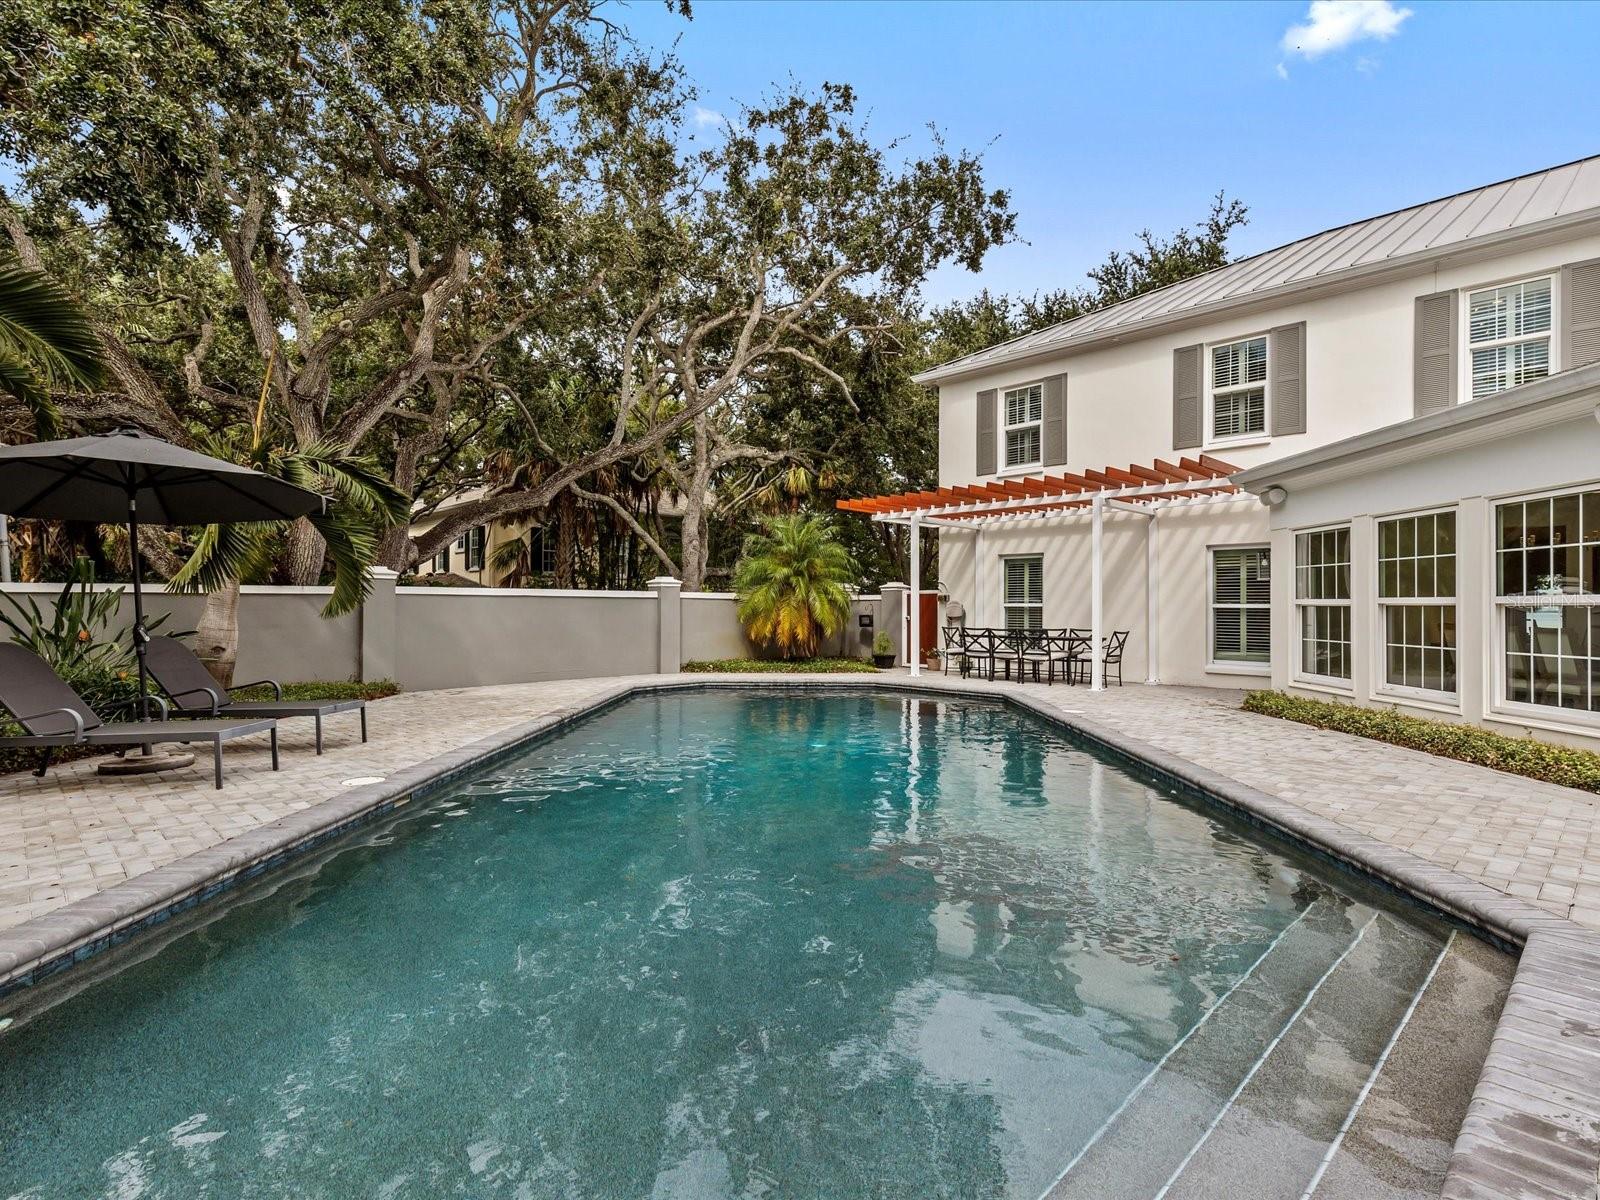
{"x":471,"y":556}
{"x":1461,"y":329}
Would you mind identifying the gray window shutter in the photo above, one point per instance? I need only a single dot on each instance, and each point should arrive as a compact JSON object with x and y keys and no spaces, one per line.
{"x":1186,"y":405}
{"x":988,"y":454}
{"x":1580,"y":314}
{"x":1435,"y":375}
{"x":1288,"y":358}
{"x":1055,"y":421}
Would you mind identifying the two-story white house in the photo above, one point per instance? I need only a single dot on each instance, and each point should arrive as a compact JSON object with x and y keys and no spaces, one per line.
{"x":1406,"y":406}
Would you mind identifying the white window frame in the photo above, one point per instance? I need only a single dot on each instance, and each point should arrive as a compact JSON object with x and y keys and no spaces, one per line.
{"x":1239,"y":439}
{"x":1343,"y":683}
{"x":1026,"y":605}
{"x":1464,"y":323}
{"x":1544,"y":716}
{"x":1235,"y":666}
{"x":1447,"y":701}
{"x":1007,"y":428}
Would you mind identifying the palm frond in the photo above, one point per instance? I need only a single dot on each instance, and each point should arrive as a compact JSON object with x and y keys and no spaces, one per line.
{"x":352,"y":545}
{"x":355,"y":480}
{"x":46,"y":342}
{"x":224,"y":553}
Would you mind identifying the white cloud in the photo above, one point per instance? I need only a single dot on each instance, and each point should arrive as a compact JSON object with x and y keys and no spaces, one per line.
{"x":705,"y":117}
{"x":1334,"y":24}
{"x":1283,"y":71}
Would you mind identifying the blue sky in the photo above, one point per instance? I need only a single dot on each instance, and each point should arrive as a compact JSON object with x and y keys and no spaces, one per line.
{"x":1102,"y":119}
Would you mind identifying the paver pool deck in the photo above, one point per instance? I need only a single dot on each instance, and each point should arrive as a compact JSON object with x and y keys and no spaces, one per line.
{"x":81,"y":854}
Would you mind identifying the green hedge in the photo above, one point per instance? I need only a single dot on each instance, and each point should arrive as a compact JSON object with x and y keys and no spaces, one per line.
{"x":822,"y":666}
{"x":321,"y":689}
{"x":1516,"y":755}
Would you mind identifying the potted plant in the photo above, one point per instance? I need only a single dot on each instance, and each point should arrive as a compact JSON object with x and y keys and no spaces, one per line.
{"x":932,"y":659}
{"x":882,"y":650}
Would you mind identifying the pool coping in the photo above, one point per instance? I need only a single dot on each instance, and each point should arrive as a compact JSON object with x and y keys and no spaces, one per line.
{"x":1532,"y":1128}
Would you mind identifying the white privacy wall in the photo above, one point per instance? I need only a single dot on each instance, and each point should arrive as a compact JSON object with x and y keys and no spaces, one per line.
{"x":1358,"y":371}
{"x":427,"y":638}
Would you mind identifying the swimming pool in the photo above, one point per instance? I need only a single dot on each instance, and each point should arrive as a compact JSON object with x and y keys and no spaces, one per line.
{"x":723,"y":944}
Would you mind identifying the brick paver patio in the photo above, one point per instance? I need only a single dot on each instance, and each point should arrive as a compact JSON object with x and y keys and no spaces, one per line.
{"x":74,"y":833}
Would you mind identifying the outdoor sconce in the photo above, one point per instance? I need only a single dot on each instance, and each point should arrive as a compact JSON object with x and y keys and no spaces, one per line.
{"x":1274,"y":496}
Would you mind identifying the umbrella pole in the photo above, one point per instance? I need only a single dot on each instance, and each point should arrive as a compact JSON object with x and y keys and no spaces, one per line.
{"x":139,"y":635}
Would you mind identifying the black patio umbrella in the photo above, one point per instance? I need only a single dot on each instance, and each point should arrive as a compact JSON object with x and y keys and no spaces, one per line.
{"x":127,"y":477}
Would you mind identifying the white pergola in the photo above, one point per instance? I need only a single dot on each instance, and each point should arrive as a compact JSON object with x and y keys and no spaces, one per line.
{"x":1147,"y":491}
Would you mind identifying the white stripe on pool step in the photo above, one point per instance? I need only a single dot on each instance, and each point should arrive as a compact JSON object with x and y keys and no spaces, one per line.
{"x":1377,"y":1068}
{"x":1265,"y":1054}
{"x":1176,"y":1046}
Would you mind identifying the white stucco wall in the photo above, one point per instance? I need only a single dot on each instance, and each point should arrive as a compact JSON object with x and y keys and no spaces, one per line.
{"x":969,"y":567}
{"x":1469,"y":480}
{"x":1358,"y":371}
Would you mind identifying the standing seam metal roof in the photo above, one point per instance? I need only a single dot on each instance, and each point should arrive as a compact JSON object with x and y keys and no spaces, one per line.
{"x":1451,"y":221}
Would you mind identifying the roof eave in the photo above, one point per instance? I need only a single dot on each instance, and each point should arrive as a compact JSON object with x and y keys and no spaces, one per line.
{"x":1564,"y":397}
{"x":1481,"y":247}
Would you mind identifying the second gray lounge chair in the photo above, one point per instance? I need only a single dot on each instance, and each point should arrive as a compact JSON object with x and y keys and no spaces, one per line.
{"x":53,"y":715}
{"x":179,"y":673}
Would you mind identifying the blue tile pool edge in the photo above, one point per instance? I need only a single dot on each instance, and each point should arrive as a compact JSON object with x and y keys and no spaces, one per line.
{"x":1502,"y":1143}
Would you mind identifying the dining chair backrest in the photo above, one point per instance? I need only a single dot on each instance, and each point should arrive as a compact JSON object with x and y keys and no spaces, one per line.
{"x":1115,"y":643}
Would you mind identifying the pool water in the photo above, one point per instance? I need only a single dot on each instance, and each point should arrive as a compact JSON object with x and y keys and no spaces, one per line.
{"x":717,"y":944}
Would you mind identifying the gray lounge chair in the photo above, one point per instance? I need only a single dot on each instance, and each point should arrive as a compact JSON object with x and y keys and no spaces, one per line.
{"x":55,"y":715}
{"x":183,"y":677}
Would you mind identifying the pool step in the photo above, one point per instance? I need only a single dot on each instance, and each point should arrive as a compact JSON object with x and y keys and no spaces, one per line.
{"x":1270,"y":1141}
{"x":1137,"y":1151}
{"x":1398,"y":1144}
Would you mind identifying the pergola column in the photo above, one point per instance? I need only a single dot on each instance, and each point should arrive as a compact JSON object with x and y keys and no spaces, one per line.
{"x":1097,"y":650}
{"x":914,"y":641}
{"x":1152,"y":604}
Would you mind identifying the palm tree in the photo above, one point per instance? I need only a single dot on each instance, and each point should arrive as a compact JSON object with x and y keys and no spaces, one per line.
{"x":793,"y":581}
{"x":366,"y":506}
{"x":46,"y":344}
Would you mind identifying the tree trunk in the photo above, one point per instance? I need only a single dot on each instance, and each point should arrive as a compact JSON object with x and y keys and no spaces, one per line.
{"x":217,"y":637}
{"x":566,"y":541}
{"x":305,"y":554}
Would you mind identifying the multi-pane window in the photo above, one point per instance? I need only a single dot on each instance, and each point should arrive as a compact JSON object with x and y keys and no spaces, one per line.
{"x":1416,"y":601}
{"x":1322,"y":600}
{"x":1241,"y":606}
{"x":441,"y":561}
{"x":1024,"y":591}
{"x":1547,"y":586}
{"x":476,"y":538}
{"x":542,"y":551}
{"x":1024,"y":413}
{"x":1239,"y":388}
{"x":1508,"y":335}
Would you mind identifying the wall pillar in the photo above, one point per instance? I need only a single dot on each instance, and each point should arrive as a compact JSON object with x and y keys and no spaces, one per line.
{"x":379,"y":623}
{"x":892,"y":615}
{"x":669,"y":623}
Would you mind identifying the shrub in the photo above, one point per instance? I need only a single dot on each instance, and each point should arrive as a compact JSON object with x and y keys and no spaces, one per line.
{"x":1515,"y":755}
{"x":322,"y":689}
{"x":786,"y":666}
{"x":793,"y":581}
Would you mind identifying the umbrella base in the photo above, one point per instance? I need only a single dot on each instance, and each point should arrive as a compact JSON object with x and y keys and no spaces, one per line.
{"x":147,"y":764}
